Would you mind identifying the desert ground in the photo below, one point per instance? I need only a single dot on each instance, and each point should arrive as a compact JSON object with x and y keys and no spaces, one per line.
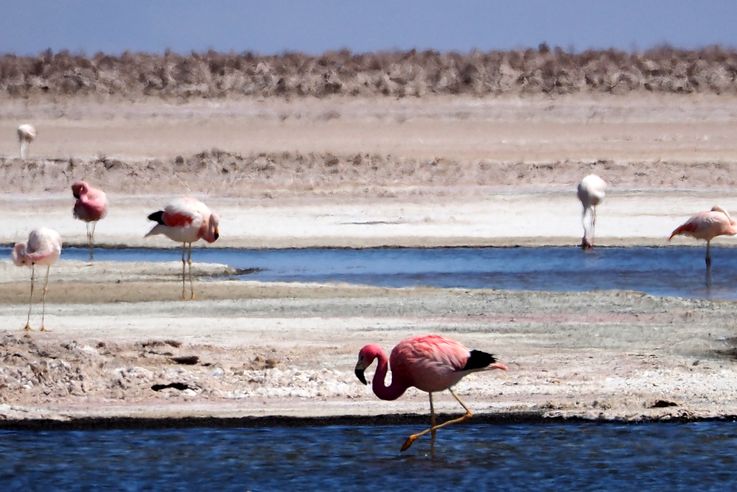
{"x":360,"y":172}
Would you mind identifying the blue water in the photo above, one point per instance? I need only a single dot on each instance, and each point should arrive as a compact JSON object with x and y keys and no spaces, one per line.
{"x":664,"y":271}
{"x":549,"y":456}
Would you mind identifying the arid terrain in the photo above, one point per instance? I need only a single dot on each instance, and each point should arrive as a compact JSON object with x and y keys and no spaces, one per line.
{"x":362,"y":170}
{"x":214,"y":75}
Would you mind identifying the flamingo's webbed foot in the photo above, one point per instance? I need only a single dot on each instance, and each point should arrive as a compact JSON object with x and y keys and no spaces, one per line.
{"x":410,"y":440}
{"x":27,"y":327}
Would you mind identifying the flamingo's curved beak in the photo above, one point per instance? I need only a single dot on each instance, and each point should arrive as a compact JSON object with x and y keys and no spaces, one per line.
{"x":359,"y":372}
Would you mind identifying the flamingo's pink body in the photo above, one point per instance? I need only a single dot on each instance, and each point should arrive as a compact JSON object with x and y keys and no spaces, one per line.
{"x":91,"y":203}
{"x":186,"y":220}
{"x":707,"y":225}
{"x":42,"y":248}
{"x":430,"y":363}
{"x":90,"y":206}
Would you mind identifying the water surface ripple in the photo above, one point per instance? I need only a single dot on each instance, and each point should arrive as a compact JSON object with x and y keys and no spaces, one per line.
{"x":548,"y":456}
{"x":665,"y":271}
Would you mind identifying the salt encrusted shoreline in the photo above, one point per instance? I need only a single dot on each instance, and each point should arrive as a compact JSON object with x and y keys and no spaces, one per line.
{"x":288,"y":350}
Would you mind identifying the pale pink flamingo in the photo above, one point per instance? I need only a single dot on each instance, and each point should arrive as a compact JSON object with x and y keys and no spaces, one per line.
{"x":26,"y":134}
{"x":90,"y":206}
{"x":186,"y":220}
{"x":430,"y":363}
{"x":707,"y":225}
{"x":42,"y":248}
{"x":591,"y":192}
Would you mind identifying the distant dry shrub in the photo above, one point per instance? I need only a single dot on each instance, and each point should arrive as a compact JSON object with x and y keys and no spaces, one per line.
{"x":213,"y":74}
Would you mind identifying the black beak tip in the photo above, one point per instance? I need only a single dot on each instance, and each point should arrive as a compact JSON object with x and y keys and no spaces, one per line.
{"x":360,"y":376}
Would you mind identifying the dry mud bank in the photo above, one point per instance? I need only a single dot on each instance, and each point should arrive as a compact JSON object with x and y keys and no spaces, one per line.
{"x":250,"y":349}
{"x":507,"y":129}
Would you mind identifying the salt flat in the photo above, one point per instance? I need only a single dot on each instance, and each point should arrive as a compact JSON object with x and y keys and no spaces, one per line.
{"x":448,"y":172}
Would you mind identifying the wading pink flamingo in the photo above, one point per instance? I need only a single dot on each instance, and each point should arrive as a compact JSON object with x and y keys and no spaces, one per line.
{"x":185,"y":220}
{"x":26,"y":134}
{"x":90,"y":206}
{"x":430,"y":363}
{"x":591,"y":192}
{"x":42,"y":248}
{"x":707,"y":225}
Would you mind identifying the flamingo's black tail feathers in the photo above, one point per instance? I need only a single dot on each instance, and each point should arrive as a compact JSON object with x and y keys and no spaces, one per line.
{"x":157,"y":217}
{"x":479,"y":360}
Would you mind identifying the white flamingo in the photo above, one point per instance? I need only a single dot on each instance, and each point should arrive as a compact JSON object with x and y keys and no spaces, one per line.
{"x":185,"y":220}
{"x":26,"y":134}
{"x":42,"y":248}
{"x":591,"y":191}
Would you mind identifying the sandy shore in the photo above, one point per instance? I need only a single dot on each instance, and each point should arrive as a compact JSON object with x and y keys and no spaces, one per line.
{"x":498,"y":219}
{"x":249,"y":349}
{"x":627,"y":128}
{"x":120,"y":336}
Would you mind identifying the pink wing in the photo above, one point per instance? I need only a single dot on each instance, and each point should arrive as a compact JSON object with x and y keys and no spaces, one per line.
{"x":704,"y":225}
{"x":431,"y":362}
{"x":97,"y":198}
{"x":183,"y":211}
{"x":176,"y":219}
{"x":91,"y":206}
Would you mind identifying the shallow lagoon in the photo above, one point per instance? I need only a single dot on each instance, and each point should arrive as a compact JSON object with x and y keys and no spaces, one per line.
{"x":475,"y":456}
{"x":664,"y":271}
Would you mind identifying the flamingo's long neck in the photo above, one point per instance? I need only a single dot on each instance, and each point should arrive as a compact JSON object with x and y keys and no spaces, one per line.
{"x":732,"y":224}
{"x":395,"y":389}
{"x":730,"y":219}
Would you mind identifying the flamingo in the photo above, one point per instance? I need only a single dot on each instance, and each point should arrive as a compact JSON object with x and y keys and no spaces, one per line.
{"x":707,"y":225}
{"x":591,"y":191}
{"x":430,"y":363}
{"x":26,"y":134}
{"x":186,"y":220}
{"x":42,"y":248}
{"x":90,"y":206}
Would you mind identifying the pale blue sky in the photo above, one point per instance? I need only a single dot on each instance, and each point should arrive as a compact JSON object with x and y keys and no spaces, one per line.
{"x":274,"y":26}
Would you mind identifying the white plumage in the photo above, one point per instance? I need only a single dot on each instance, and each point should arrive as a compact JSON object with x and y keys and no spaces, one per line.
{"x":591,"y":192}
{"x":43,"y":247}
{"x":186,"y":220}
{"x":26,"y":134}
